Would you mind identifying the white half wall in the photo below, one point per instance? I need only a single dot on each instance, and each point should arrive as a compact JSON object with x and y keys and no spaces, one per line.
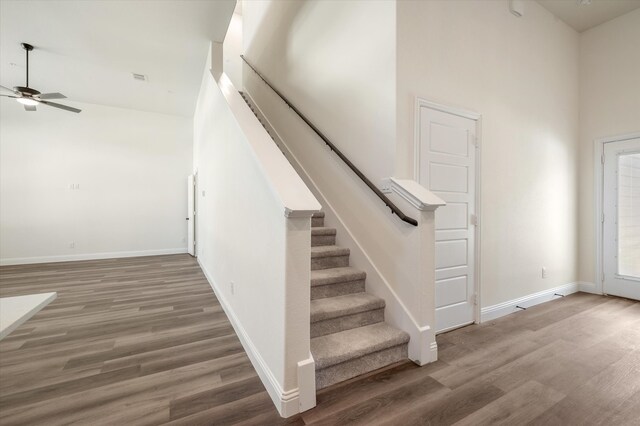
{"x":254,"y":240}
{"x":521,"y":75}
{"x":108,"y":182}
{"x":609,"y":106}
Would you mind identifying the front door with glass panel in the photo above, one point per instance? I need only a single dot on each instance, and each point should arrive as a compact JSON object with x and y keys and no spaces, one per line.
{"x":621,"y":221}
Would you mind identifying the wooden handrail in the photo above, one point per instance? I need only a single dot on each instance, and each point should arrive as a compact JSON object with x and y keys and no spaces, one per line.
{"x":394,"y":209}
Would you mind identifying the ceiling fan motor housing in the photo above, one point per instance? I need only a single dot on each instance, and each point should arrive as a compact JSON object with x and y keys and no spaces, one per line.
{"x":28,"y":91}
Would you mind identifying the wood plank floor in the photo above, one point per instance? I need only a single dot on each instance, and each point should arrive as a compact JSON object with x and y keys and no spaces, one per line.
{"x":144,"y":341}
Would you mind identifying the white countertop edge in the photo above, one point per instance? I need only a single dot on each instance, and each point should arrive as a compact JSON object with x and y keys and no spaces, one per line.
{"x":7,"y":325}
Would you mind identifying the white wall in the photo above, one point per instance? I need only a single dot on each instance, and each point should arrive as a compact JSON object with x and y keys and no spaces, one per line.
{"x":254,"y":230}
{"x":336,"y":62}
{"x":233,"y":49}
{"x":131,"y":168}
{"x":521,"y":74}
{"x":609,"y":106}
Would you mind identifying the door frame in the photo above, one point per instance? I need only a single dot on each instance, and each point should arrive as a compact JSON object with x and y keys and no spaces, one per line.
{"x":598,"y":223}
{"x":477,"y":117}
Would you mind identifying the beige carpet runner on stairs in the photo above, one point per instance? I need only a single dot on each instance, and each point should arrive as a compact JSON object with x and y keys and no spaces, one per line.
{"x":348,"y":334}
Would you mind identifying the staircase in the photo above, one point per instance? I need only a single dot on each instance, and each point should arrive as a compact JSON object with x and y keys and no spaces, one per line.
{"x":348,"y":334}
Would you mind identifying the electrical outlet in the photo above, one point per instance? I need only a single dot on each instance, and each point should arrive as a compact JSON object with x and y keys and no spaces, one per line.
{"x":544,"y":272}
{"x":203,"y":192}
{"x":233,"y":288}
{"x":72,"y":244}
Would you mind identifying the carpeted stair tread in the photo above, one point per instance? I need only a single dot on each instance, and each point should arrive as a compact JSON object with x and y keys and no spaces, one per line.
{"x":318,"y":214}
{"x":323,"y":230}
{"x":328,"y":251}
{"x":336,"y":275}
{"x":336,"y":348}
{"x":339,"y":306}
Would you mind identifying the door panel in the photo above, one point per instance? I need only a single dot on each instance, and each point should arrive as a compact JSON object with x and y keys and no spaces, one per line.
{"x":449,"y":178}
{"x":621,"y":225}
{"x":447,"y":167}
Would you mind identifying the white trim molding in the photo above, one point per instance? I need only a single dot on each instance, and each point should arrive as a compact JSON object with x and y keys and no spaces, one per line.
{"x":288,"y":402}
{"x":89,"y":256}
{"x":509,"y":307}
{"x":415,"y":194}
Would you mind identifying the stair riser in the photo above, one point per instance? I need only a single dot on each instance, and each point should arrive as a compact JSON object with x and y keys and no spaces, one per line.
{"x":317,"y":221}
{"x":323,"y":240}
{"x":355,"y":367}
{"x":337,"y":289}
{"x":347,"y":322}
{"x":329,"y":262}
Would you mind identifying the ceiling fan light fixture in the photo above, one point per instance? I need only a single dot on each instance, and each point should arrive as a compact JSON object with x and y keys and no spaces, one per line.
{"x":28,"y":101}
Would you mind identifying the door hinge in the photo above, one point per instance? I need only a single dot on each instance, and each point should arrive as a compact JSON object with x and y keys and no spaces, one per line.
{"x":602,"y":218}
{"x":603,"y":277}
{"x":474,"y":220}
{"x":602,"y":158}
{"x":475,"y":298}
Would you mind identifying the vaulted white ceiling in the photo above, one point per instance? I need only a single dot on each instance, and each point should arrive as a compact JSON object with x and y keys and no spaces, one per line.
{"x":88,"y":49}
{"x":582,"y":17}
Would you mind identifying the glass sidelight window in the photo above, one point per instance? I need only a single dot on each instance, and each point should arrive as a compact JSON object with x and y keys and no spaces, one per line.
{"x":629,"y":215}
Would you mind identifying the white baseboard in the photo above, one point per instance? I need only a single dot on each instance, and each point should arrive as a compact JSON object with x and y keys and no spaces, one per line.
{"x":287,"y":403}
{"x":496,"y":311}
{"x":587,"y":287}
{"x":89,"y":256}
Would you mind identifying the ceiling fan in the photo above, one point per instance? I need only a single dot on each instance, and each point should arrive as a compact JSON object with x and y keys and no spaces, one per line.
{"x":30,"y":98}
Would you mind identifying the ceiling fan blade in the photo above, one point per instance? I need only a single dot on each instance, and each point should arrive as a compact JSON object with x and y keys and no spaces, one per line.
{"x":51,"y":96}
{"x":55,"y":105}
{"x":8,"y":96}
{"x":6,"y":88}
{"x":30,"y":108}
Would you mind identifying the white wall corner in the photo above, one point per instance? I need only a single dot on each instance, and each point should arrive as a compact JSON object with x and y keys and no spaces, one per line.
{"x":509,"y":307}
{"x":217,"y":60}
{"x":588,"y":287}
{"x":415,"y":194}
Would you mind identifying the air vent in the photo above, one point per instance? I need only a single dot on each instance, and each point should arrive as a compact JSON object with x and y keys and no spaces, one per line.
{"x":140,"y":77}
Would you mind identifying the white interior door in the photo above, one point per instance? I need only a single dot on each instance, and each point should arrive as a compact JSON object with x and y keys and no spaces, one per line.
{"x":621,"y":222}
{"x":447,"y":166}
{"x":191,"y":209}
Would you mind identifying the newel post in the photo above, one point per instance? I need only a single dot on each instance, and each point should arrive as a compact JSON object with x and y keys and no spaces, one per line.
{"x":421,"y":244}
